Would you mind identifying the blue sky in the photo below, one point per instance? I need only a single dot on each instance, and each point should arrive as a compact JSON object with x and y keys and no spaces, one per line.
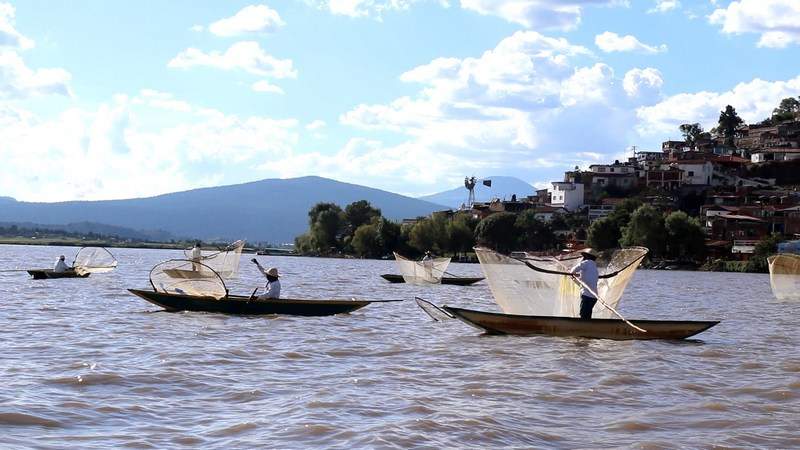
{"x":128,"y":99}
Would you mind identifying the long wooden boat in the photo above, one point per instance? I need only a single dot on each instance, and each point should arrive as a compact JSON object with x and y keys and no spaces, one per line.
{"x":459,"y":281}
{"x":238,"y":304}
{"x":45,"y":274}
{"x":497,"y":323}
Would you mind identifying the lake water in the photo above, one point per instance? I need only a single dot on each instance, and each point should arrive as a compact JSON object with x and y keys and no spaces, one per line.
{"x":85,"y":364}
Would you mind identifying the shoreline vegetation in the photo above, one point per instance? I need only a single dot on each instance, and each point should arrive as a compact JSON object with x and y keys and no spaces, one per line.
{"x":675,"y":239}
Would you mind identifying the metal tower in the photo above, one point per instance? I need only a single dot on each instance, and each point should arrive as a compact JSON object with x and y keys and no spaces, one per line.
{"x":469,"y":183}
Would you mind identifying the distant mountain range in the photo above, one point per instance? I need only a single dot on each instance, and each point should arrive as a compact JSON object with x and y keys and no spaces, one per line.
{"x":272,"y":210}
{"x":502,"y":188}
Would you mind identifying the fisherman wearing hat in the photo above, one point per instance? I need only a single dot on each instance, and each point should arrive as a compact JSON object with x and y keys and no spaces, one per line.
{"x":196,"y":255}
{"x":273,"y":288}
{"x":61,"y":266}
{"x":586,"y":271}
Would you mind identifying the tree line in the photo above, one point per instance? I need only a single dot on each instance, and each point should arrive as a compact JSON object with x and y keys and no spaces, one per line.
{"x":360,"y":229}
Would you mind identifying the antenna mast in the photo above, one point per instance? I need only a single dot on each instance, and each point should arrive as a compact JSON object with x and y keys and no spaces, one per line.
{"x":469,"y":183}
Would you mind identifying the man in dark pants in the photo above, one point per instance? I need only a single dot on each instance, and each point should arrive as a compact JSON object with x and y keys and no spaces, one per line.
{"x":586,"y":271}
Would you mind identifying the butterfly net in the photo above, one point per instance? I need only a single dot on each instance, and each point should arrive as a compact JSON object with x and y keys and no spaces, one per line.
{"x":181,"y":276}
{"x":784,"y":276}
{"x":429,"y":271}
{"x":224,"y":262}
{"x":94,"y":260}
{"x":542,"y":286}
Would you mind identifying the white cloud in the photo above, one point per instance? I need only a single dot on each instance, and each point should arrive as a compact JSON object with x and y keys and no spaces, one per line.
{"x":9,"y":36}
{"x":753,"y":100}
{"x":316,"y":125}
{"x":663,"y":6}
{"x":246,"y":55}
{"x":17,"y":80}
{"x":612,"y":42}
{"x":521,"y":107}
{"x":267,"y":87}
{"x":778,"y":21}
{"x":250,"y":19}
{"x":365,"y":8}
{"x":562,"y":15}
{"x":118,"y":150}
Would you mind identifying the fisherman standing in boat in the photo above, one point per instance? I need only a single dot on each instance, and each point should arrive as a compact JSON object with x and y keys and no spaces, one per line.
{"x":196,"y":255}
{"x":61,"y":266}
{"x":273,"y":288}
{"x":586,"y":271}
{"x":427,"y":263}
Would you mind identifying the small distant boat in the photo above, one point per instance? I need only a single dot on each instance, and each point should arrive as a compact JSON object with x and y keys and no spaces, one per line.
{"x":237,"y":304}
{"x":45,"y":274}
{"x":513,"y":324}
{"x":459,"y":281}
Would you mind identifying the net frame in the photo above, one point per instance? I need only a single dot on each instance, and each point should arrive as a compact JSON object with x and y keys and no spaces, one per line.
{"x":543,"y":286}
{"x":224,"y":261}
{"x":82,"y":268}
{"x":784,"y":276}
{"x":205,"y":282}
{"x":420,"y":272}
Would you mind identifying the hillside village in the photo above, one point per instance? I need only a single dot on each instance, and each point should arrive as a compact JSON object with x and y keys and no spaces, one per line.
{"x":739,"y":181}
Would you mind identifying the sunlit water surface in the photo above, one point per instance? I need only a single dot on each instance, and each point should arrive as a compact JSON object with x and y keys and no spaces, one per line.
{"x":86,"y":364}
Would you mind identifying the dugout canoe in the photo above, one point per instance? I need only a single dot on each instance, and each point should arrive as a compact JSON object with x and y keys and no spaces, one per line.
{"x":458,"y":281}
{"x":238,"y":304}
{"x":497,"y":323}
{"x":46,"y":274}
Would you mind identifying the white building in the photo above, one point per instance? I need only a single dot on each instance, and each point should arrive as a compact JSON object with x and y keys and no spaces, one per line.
{"x":567,"y":195}
{"x":775,"y":154}
{"x":696,"y":171}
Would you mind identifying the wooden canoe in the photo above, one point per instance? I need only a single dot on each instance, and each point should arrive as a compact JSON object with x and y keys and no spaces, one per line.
{"x":497,"y":323}
{"x":458,"y":281}
{"x":237,"y":304}
{"x":45,"y":274}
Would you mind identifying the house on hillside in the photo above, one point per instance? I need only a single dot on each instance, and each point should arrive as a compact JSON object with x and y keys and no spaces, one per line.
{"x":775,"y":154}
{"x":619,"y":175}
{"x":567,"y":195}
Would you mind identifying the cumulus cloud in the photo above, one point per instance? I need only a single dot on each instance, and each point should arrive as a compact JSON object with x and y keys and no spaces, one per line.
{"x":562,"y":15}
{"x":116,"y":151}
{"x":777,"y":21}
{"x":521,"y":107}
{"x":247,"y":56}
{"x":753,"y":100}
{"x":612,"y":42}
{"x":250,"y":19}
{"x":316,"y":125}
{"x":663,"y":6}
{"x":364,"y":8}
{"x":9,"y":36}
{"x":17,"y":80}
{"x":267,"y":87}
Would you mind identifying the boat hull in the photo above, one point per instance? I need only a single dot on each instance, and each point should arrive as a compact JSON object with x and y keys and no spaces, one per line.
{"x":46,"y":274}
{"x":497,"y":323}
{"x":234,"y":304}
{"x":458,"y":281}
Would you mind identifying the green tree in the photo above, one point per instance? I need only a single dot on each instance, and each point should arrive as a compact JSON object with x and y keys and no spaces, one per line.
{"x":646,"y":228}
{"x":766,"y":247}
{"x":326,"y":222}
{"x":389,"y":235}
{"x":534,"y":234}
{"x":304,"y":244}
{"x":691,"y":132}
{"x":685,"y":236}
{"x":365,"y":241}
{"x":603,"y":234}
{"x":461,"y":233}
{"x":788,"y":109}
{"x":429,"y":234}
{"x":360,"y":213}
{"x":497,"y":231}
{"x":728,"y":121}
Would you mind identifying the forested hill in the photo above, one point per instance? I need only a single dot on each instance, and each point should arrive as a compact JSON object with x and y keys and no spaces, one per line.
{"x":272,"y":210}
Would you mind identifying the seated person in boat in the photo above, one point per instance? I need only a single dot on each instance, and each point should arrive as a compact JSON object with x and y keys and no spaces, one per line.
{"x":586,"y":271}
{"x":197,"y":255}
{"x":273,"y":288}
{"x":61,"y":266}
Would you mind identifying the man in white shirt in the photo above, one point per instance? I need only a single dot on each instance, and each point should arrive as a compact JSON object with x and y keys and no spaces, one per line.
{"x":586,"y":271}
{"x":196,"y":255}
{"x":273,"y":288}
{"x":61,"y":266}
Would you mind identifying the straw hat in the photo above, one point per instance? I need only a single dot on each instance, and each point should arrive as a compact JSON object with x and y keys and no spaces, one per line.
{"x":589,"y":253}
{"x":62,"y":257}
{"x":273,"y":272}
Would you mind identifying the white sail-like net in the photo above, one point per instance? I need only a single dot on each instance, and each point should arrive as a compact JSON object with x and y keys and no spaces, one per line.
{"x":542,"y":286}
{"x":181,"y":276}
{"x":94,"y":260}
{"x":224,"y":262}
{"x":429,"y":271}
{"x":784,"y":276}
